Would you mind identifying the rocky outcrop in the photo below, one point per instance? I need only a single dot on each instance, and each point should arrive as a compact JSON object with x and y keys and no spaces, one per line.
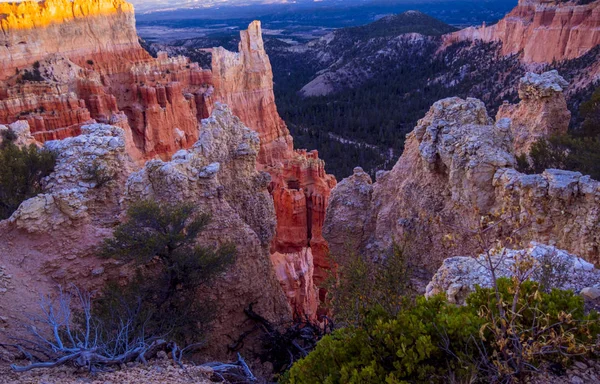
{"x":541,"y":113}
{"x":449,"y":161}
{"x":219,"y":175}
{"x":52,"y":238}
{"x":543,"y":30}
{"x":72,"y":191}
{"x":458,"y":276}
{"x":458,"y":165}
{"x":21,"y":132}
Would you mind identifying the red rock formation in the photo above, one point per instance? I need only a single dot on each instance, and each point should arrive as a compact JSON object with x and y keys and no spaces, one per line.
{"x":64,"y":63}
{"x":545,"y":30}
{"x":50,"y":117}
{"x":300,"y":186}
{"x":301,"y":190}
{"x":164,"y":100}
{"x":244,"y":81}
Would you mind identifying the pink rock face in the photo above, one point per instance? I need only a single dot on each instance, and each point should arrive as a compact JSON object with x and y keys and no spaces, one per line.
{"x":543,"y":30}
{"x":244,"y":81}
{"x":295,"y":271}
{"x":541,"y":113}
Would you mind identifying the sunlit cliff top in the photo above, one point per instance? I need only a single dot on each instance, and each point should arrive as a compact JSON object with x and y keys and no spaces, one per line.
{"x":32,"y":14}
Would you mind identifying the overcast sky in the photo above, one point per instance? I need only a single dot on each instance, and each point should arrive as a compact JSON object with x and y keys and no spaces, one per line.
{"x":153,"y":4}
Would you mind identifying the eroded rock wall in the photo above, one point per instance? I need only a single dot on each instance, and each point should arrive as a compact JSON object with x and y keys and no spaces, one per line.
{"x":543,"y":30}
{"x":69,"y":63}
{"x":99,"y":31}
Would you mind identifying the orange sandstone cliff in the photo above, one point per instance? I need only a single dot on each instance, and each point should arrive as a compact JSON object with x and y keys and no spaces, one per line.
{"x":543,"y":30}
{"x":102,"y":31}
{"x":65,"y":64}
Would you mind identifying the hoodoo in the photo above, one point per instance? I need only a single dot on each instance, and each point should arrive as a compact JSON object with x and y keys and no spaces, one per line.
{"x":300,"y":185}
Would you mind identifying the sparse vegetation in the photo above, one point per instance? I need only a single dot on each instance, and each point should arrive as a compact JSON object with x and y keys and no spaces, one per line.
{"x":358,"y":286}
{"x":394,"y":25}
{"x":564,"y":152}
{"x":160,"y":239}
{"x":21,"y":173}
{"x":34,"y":74}
{"x":504,"y":334}
{"x":68,"y":333}
{"x":590,"y":112}
{"x":433,"y":341}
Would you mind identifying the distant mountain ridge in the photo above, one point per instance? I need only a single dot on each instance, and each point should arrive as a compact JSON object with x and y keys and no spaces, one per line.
{"x":542,"y":31}
{"x":352,"y":55}
{"x":406,"y":22}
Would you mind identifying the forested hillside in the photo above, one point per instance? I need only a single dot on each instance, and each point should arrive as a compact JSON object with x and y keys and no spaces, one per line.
{"x":355,"y":93}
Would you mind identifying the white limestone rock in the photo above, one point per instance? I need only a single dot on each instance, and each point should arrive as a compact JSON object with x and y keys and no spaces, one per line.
{"x":458,"y":276}
{"x":71,"y":188}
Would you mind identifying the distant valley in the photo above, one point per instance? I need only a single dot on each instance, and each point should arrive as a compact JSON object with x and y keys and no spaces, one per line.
{"x":303,"y":21}
{"x":354,"y":92}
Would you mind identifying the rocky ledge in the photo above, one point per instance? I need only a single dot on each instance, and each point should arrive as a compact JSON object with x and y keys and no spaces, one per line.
{"x":458,"y":276}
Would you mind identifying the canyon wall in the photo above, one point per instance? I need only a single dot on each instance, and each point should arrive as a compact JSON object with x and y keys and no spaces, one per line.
{"x":457,"y":167}
{"x":543,"y":30}
{"x":68,"y":63}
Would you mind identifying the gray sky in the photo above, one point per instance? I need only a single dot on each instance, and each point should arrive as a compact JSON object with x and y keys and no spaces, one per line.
{"x":153,"y":4}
